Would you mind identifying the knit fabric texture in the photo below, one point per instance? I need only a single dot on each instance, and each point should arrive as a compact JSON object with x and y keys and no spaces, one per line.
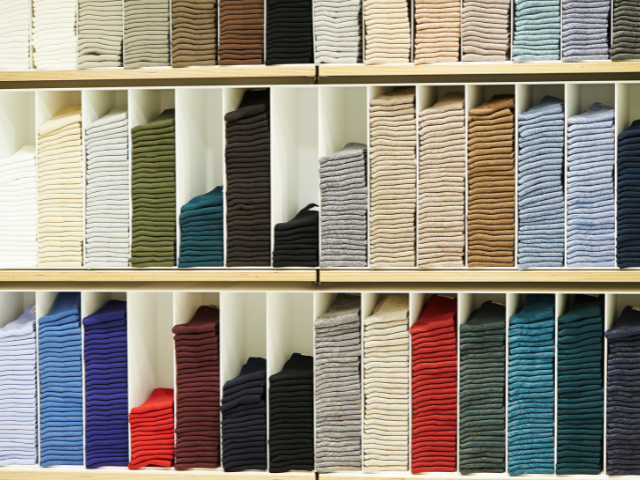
{"x":486,"y":32}
{"x":153,"y":192}
{"x":537,"y":30}
{"x":590,"y":187}
{"x":541,"y":219}
{"x":437,"y":31}
{"x":194,"y":33}
{"x":15,"y":28}
{"x":248,"y":170}
{"x":623,"y":384}
{"x":18,"y":203}
{"x":60,"y":192}
{"x":434,"y":387}
{"x":296,"y":241}
{"x":628,"y":228}
{"x":291,"y":416}
{"x":344,"y":198}
{"x":106,"y":386}
{"x":146,"y":33}
{"x":198,"y":380}
{"x":19,"y":390}
{"x":337,"y":394}
{"x":531,"y":387}
{"x":100,"y":33}
{"x":441,"y":188}
{"x":241,"y":39}
{"x":337,"y":26}
{"x":289,"y":31}
{"x":387,"y":31}
{"x":152,"y":434}
{"x":386,"y":385}
{"x":108,"y":196}
{"x":585,"y":30}
{"x":625,"y":41}
{"x":244,"y":418}
{"x":581,"y":387}
{"x":54,"y":38}
{"x":201,"y":231}
{"x":60,"y":361}
{"x":392,"y":230}
{"x":482,"y":390}
{"x":491,"y":177}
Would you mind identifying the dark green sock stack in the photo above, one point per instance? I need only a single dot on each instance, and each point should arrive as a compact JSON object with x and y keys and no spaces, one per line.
{"x":153,"y":192}
{"x":580,"y":388}
{"x":482,"y":390}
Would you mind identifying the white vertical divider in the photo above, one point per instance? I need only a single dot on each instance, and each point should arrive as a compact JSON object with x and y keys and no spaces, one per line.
{"x":199,"y":146}
{"x":623,"y":119}
{"x":610,"y":317}
{"x":295,"y":181}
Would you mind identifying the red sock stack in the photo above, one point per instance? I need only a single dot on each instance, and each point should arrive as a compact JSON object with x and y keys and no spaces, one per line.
{"x":434,"y":383}
{"x":152,"y":431}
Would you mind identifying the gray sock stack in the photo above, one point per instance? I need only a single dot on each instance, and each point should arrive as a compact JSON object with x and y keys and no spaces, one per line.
{"x":585,"y":30}
{"x":338,"y":31}
{"x":338,"y":398}
{"x":343,"y":184}
{"x":100,"y":33}
{"x":625,"y":43}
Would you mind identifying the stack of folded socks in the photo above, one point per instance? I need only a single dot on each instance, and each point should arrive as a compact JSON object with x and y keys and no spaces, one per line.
{"x":106,"y":386}
{"x":146,"y":33}
{"x":296,"y":241}
{"x":60,"y":360}
{"x":486,"y":34}
{"x":343,"y":191}
{"x":541,"y":185}
{"x":194,"y":33}
{"x":201,"y":231}
{"x":387,"y":31}
{"x":393,"y":179}
{"x":441,"y":188}
{"x":107,"y":191}
{"x":581,"y":387}
{"x":99,"y":33}
{"x":19,"y":391}
{"x":434,"y":387}
{"x":590,"y":186}
{"x":482,"y":389}
{"x":248,"y":170}
{"x":19,"y":210}
{"x":244,"y":419}
{"x":153,"y":192}
{"x":537,"y":30}
{"x":491,"y":211}
{"x":386,"y":385}
{"x":625,"y":42}
{"x":291,"y":416}
{"x":531,"y":387}
{"x":337,"y":395}
{"x":585,"y":30}
{"x":152,"y":435}
{"x":53,"y":36}
{"x":60,"y":190}
{"x":15,"y":27}
{"x":628,"y":228}
{"x":241,"y":32}
{"x":198,"y":381}
{"x":437,"y":35}
{"x":289,"y":31}
{"x":337,"y":26}
{"x":623,"y":384}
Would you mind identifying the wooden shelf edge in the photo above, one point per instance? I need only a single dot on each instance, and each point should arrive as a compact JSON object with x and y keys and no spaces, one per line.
{"x":473,"y":276}
{"x":153,"y":275}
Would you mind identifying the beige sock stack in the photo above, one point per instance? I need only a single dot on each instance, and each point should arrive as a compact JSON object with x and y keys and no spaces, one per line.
{"x":60,"y":195}
{"x":387,"y":31}
{"x":392,"y":161}
{"x":441,"y":188}
{"x":437,"y":31}
{"x":146,"y":33}
{"x":485,"y":31}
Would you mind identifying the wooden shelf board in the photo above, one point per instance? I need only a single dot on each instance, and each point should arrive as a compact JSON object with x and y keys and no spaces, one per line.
{"x":479,"y":276}
{"x":158,"y":275}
